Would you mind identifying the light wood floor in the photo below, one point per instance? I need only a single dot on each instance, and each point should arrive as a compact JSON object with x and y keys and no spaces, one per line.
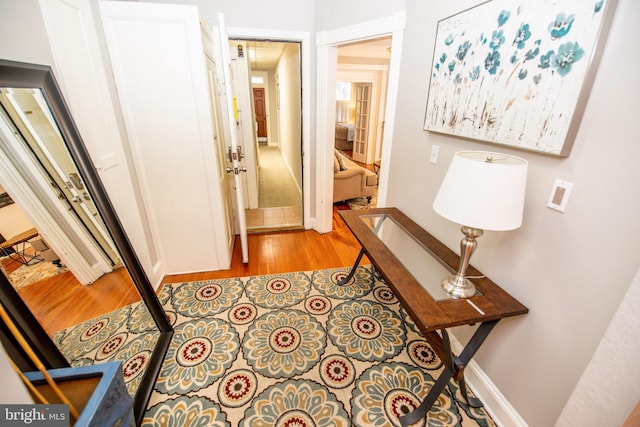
{"x":271,"y":253}
{"x":60,"y":301}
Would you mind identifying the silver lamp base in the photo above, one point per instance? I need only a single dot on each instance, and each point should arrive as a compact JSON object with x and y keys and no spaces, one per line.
{"x":458,"y":286}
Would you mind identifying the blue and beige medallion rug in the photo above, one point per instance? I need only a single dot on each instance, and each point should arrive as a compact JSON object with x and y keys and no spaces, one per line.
{"x":127,"y":335}
{"x":295,"y":350}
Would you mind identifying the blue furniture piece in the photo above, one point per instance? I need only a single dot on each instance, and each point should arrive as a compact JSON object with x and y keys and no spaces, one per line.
{"x":110,"y":403}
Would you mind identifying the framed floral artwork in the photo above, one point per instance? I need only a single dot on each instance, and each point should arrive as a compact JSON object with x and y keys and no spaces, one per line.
{"x":517,"y":73}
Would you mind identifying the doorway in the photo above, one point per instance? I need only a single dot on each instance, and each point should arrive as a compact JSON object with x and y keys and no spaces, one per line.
{"x":362,"y":71}
{"x":328,"y":43}
{"x":273,"y":92}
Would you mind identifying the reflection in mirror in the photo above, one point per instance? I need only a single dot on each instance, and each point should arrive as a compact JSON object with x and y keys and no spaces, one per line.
{"x":64,"y":252}
{"x":25,"y":111}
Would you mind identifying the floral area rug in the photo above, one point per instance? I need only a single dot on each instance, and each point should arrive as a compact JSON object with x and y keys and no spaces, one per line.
{"x":127,"y":335}
{"x":363,"y":202}
{"x":297,"y":350}
{"x":28,"y":274}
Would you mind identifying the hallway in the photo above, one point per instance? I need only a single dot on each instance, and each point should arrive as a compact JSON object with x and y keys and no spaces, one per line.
{"x":280,"y":199}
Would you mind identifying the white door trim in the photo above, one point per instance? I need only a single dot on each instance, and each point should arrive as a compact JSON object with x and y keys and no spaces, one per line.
{"x":305,"y":56}
{"x":327,"y":42}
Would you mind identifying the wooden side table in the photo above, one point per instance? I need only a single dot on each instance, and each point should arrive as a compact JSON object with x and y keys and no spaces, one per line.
{"x":376,"y":167}
{"x":413,"y":262}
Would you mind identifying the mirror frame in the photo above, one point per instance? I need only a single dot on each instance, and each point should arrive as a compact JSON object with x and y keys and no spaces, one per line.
{"x":24,"y":75}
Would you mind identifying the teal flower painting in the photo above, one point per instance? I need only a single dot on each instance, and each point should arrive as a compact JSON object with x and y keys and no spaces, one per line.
{"x":512,"y":72}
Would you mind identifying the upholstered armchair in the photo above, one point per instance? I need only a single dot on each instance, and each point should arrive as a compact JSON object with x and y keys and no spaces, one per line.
{"x":351,"y":180}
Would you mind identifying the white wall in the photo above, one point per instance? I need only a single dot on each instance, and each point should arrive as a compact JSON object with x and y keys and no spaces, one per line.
{"x":13,"y":390}
{"x":288,"y":71}
{"x":331,"y":14}
{"x":274,"y":131}
{"x":22,"y":24}
{"x":573,"y":269}
{"x":292,"y":15}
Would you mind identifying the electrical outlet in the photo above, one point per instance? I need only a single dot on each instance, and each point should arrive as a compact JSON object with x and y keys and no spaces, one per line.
{"x":559,"y":196}
{"x":435,"y":149}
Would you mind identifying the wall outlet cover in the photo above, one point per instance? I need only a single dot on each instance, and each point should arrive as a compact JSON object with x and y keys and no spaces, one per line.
{"x":559,"y":196}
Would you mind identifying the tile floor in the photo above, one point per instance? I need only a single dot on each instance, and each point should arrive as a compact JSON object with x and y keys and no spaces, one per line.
{"x":272,"y":218}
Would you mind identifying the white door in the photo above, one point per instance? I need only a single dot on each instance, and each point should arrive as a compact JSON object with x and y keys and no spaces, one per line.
{"x":226,"y":186}
{"x":234,"y":150}
{"x":160,"y":73}
{"x":361,"y":128}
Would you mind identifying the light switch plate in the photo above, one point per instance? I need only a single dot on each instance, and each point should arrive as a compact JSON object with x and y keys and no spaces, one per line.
{"x":559,"y":196}
{"x":435,"y":149}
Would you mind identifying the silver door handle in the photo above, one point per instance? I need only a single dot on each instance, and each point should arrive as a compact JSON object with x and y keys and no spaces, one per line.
{"x":75,"y":179}
{"x":236,"y":171}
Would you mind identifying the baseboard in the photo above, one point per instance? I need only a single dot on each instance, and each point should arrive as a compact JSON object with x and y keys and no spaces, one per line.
{"x":494,"y":401}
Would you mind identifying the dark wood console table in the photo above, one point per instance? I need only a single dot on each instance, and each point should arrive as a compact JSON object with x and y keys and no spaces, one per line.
{"x":412,"y":262}
{"x":19,"y":241}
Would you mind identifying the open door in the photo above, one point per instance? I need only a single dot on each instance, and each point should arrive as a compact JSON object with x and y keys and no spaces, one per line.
{"x":234,"y":151}
{"x":26,"y":110}
{"x":226,"y":187}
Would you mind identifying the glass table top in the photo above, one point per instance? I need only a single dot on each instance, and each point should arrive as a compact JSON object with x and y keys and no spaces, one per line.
{"x":417,"y":259}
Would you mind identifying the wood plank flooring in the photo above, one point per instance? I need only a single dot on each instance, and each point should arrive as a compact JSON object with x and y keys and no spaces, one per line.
{"x":271,"y":253}
{"x":60,"y":301}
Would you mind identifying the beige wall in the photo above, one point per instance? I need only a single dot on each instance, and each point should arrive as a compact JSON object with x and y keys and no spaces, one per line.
{"x":573,"y":269}
{"x":288,"y":71}
{"x":13,"y":221}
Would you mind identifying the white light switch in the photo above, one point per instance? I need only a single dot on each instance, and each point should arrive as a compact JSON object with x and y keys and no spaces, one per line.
{"x":559,"y":196}
{"x":435,"y":149}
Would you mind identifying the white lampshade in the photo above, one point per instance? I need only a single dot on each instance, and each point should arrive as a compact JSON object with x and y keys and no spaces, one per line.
{"x":488,"y":195}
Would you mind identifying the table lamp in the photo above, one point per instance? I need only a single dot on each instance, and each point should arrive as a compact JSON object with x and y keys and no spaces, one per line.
{"x":481,"y":191}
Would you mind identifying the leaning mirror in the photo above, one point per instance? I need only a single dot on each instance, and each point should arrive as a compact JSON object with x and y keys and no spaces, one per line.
{"x":71,"y":280}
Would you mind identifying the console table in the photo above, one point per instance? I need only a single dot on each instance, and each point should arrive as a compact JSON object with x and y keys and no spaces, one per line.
{"x":20,"y":241}
{"x":413,"y":262}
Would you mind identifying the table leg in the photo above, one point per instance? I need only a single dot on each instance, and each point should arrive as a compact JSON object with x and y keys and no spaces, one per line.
{"x":452,"y":364}
{"x":346,"y":280}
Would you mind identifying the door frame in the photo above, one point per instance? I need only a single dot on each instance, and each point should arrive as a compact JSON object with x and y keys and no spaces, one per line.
{"x":327,"y":43}
{"x":304,"y":38}
{"x":56,"y":225}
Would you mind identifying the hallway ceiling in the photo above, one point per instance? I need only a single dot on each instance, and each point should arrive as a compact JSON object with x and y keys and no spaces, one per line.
{"x":265,"y":55}
{"x":374,"y":51}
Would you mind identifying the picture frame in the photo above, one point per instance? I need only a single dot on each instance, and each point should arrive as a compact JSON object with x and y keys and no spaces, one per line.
{"x":517,"y":73}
